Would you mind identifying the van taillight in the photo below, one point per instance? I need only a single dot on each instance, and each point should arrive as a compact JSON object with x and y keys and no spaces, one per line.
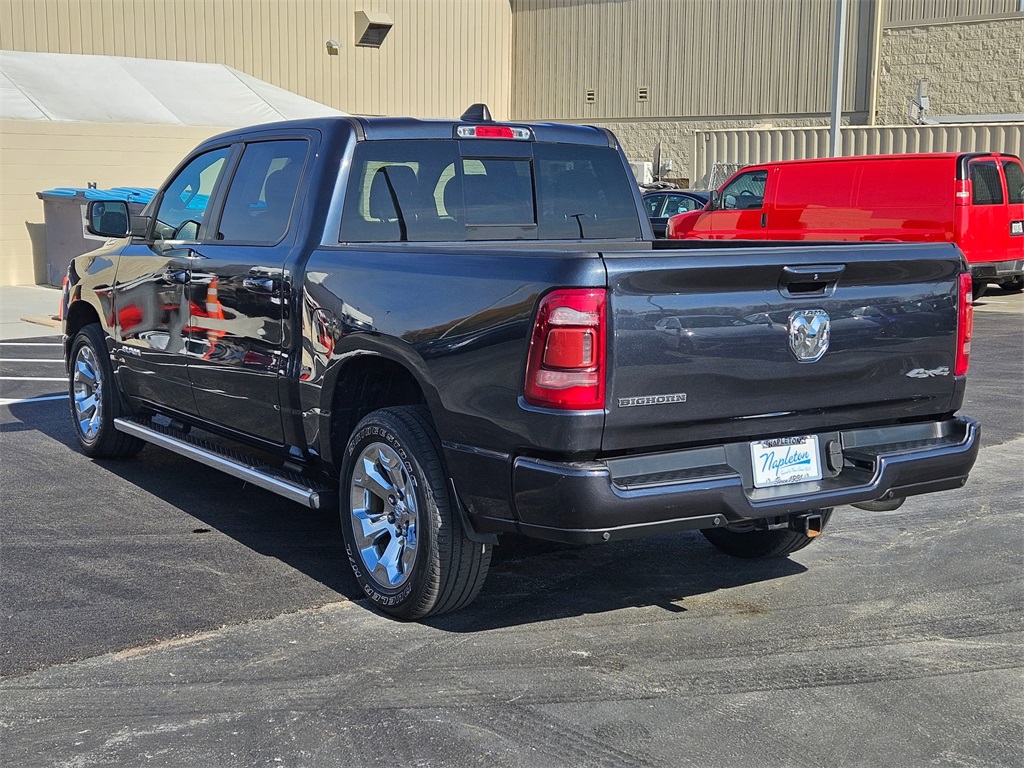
{"x":962,"y":192}
{"x":565,"y":368}
{"x":964,"y":326}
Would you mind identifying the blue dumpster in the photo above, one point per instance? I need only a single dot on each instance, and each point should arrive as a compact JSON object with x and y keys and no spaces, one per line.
{"x":64,"y":213}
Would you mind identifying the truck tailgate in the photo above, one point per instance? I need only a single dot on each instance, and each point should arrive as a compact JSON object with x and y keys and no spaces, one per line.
{"x":708,"y":345}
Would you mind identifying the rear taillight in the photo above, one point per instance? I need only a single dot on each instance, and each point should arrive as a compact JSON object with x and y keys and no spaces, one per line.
{"x":964,"y":326}
{"x":565,"y":368}
{"x":962,"y":192}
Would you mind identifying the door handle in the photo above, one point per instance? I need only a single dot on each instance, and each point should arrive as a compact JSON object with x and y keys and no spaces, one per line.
{"x":764,"y":220}
{"x":179,"y":276}
{"x":259,"y":284}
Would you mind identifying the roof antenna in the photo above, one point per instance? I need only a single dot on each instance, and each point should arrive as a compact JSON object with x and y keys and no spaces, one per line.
{"x":478,"y":113}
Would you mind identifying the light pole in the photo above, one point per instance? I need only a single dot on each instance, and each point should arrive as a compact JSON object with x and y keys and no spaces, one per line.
{"x":838,"y":63}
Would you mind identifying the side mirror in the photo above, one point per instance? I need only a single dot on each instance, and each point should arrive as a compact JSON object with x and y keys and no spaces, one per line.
{"x":108,"y":218}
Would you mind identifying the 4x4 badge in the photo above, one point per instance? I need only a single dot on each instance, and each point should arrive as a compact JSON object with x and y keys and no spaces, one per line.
{"x":809,"y":331}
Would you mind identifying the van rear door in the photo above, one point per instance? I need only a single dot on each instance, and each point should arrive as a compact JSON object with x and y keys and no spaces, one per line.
{"x":1013,"y":174}
{"x":984,"y":223}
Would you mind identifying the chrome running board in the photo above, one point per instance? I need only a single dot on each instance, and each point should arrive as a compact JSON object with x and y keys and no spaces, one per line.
{"x":290,"y":485}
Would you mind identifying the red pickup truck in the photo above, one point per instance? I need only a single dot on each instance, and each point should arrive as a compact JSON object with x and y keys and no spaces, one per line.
{"x":971,"y":199}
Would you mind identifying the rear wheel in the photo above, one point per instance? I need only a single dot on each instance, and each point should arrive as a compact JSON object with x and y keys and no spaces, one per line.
{"x":978,"y":288}
{"x":1013,"y":284}
{"x":754,"y":544}
{"x":403,"y":536}
{"x":95,"y":401}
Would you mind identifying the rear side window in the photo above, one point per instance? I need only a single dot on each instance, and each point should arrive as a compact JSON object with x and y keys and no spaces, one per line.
{"x":425,"y":191}
{"x":262,"y":193}
{"x":986,"y":184}
{"x":1014,"y":181}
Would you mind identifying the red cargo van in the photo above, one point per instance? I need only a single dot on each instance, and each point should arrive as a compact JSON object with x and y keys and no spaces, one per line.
{"x":975,"y":200}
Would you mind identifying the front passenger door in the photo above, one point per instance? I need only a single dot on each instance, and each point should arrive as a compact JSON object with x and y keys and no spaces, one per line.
{"x":150,"y":295}
{"x":740,"y":212}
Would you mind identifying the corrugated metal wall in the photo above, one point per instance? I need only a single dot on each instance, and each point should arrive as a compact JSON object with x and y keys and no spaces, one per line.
{"x":440,"y":56}
{"x":928,"y":10}
{"x":708,"y":58}
{"x":762,"y":146}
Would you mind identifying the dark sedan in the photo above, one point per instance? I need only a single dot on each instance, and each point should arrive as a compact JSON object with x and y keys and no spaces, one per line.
{"x":664,"y":203}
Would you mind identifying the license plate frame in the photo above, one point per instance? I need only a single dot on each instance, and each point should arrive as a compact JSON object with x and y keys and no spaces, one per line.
{"x":785,"y":461}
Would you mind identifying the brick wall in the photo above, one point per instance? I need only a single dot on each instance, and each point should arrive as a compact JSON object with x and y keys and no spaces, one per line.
{"x":975,"y":68}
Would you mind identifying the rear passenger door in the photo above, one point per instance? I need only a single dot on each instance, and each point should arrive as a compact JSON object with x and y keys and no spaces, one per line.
{"x":240,"y":289}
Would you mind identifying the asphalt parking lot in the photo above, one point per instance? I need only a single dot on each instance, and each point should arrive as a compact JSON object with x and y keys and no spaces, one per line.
{"x":155,"y":612}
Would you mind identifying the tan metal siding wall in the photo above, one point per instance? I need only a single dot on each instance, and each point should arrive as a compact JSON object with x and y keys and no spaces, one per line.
{"x":440,"y":56}
{"x":39,"y":155}
{"x":927,"y":10}
{"x":762,"y":146}
{"x":698,"y":58}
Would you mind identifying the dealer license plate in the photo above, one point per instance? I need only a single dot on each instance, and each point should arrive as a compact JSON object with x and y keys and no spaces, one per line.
{"x":785,"y":460}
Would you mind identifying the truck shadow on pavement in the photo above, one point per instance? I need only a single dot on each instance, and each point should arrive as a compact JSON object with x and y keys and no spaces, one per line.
{"x":529,"y":581}
{"x":536,"y":581}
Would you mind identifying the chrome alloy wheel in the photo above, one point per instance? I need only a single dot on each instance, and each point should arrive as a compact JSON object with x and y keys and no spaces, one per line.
{"x":382,"y":500}
{"x":88,"y":392}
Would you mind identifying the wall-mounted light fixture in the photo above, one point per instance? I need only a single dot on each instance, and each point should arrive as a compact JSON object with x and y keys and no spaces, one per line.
{"x":372,"y":27}
{"x":333,"y":47}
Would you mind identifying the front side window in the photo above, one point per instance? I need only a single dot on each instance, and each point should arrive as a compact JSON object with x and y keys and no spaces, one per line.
{"x":183,"y":207}
{"x":746,"y":191}
{"x":1014,"y":181}
{"x":986,"y":185}
{"x":262,"y":194}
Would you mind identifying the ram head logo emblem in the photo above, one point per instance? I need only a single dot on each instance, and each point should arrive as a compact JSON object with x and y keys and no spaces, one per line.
{"x":809,"y":331}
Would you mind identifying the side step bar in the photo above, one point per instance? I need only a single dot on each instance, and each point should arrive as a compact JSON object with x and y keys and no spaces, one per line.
{"x":290,"y":485}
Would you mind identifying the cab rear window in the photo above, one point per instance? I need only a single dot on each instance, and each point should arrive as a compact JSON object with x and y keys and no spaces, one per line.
{"x":429,"y":191}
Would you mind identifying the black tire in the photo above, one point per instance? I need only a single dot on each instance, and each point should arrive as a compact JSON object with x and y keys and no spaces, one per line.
{"x":978,"y":289}
{"x":393,"y":481}
{"x":95,"y":400}
{"x":1013,"y":284}
{"x":755,"y":544}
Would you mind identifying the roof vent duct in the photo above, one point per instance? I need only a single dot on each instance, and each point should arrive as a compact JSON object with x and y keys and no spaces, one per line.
{"x":372,"y":27}
{"x":477,"y":113}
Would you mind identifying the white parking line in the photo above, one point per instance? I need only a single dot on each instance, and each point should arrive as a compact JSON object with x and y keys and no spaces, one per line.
{"x":30,"y":344}
{"x":16,"y":401}
{"x":27,"y":360}
{"x":32,"y":378}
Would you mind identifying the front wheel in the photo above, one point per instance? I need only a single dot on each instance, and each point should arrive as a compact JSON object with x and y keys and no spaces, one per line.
{"x":95,"y":401}
{"x":755,"y":544}
{"x":403,"y":536}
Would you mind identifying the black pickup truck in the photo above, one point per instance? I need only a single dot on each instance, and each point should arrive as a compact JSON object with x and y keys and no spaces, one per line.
{"x":462,"y":328}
